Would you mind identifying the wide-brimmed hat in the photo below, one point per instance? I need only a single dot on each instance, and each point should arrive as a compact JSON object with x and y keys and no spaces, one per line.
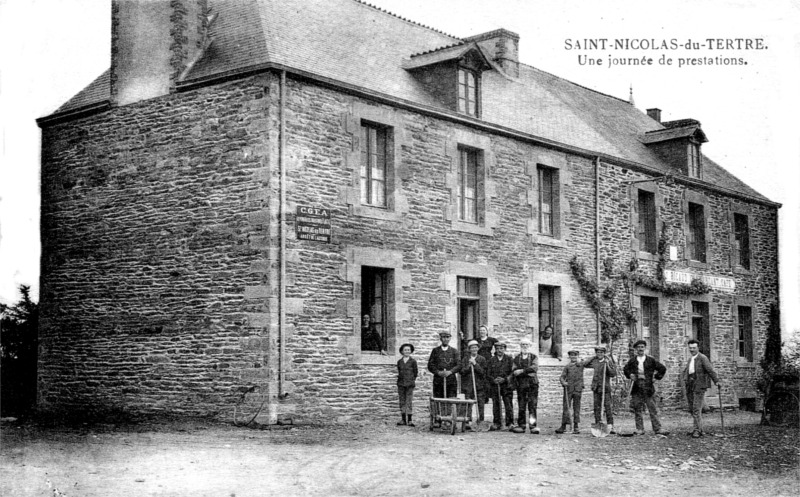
{"x":500,"y":343}
{"x":573,"y":352}
{"x":406,"y":345}
{"x":639,"y":342}
{"x":473,"y":342}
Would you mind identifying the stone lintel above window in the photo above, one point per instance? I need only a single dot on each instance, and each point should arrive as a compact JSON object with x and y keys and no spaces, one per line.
{"x":396,"y":204}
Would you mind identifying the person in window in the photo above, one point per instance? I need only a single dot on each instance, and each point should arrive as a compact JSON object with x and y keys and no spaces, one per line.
{"x":473,"y":366}
{"x":443,"y":363}
{"x":546,"y":342}
{"x":370,"y":338}
{"x":697,"y":377}
{"x":407,"y":373}
{"x":485,"y":342}
{"x":642,"y":369}
{"x":499,"y":372}
{"x":598,"y":363}
{"x":525,"y":371}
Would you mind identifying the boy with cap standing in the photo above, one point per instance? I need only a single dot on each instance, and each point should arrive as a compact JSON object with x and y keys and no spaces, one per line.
{"x":642,"y":370}
{"x":572,"y":381}
{"x":473,"y":376}
{"x":443,"y":363}
{"x":499,"y":370}
{"x":599,"y":363}
{"x":407,"y":373}
{"x":525,"y":371}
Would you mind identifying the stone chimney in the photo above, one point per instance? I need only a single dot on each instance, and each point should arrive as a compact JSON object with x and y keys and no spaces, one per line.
{"x":152,"y":41}
{"x":654,"y":114}
{"x":502,"y":46}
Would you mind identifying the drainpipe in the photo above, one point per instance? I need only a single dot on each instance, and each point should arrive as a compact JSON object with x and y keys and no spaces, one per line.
{"x":282,"y":251}
{"x":597,"y":237}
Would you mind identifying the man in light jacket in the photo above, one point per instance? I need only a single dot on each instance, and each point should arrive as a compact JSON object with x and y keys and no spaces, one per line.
{"x":643,"y":369}
{"x":696,"y":376}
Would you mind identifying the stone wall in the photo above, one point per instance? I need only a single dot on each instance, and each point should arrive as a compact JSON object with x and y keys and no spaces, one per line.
{"x":160,"y":252}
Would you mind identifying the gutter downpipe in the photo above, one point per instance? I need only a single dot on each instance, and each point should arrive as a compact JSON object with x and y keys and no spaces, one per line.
{"x":282,"y":250}
{"x":597,"y":238}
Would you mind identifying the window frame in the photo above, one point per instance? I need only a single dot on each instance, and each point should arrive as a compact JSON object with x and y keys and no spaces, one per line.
{"x":487,"y":218}
{"x":694,"y":165}
{"x":741,"y":240}
{"x":647,"y":229}
{"x":468,"y":165}
{"x":386,"y":276}
{"x":383,"y":132}
{"x":696,"y":232}
{"x":464,"y":91}
{"x":744,"y":333}
{"x":548,"y":200}
{"x":556,"y":312}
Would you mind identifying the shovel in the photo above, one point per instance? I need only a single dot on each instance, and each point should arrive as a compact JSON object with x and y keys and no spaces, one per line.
{"x":601,"y":430}
{"x":475,"y":413}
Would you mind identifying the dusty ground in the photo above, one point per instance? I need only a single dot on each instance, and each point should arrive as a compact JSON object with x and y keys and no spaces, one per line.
{"x":191,"y":458}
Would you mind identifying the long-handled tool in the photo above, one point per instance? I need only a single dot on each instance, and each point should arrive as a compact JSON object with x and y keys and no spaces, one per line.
{"x":721,"y":418}
{"x":500,"y":402}
{"x":475,"y":413}
{"x":630,"y":390}
{"x":601,"y":429}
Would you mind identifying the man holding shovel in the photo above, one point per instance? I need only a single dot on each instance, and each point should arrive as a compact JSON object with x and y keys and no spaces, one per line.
{"x":604,"y":370}
{"x":443,"y":363}
{"x":499,"y":371}
{"x":473,"y":378}
{"x":642,"y":369}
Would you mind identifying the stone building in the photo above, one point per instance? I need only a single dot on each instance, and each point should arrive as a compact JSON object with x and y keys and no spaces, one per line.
{"x":250,"y":177}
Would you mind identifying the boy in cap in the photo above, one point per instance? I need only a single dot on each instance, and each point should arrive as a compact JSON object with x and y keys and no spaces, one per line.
{"x":499,"y":370}
{"x":443,"y":363}
{"x":407,"y":373}
{"x":642,"y":369}
{"x":599,"y":363}
{"x":572,"y":381}
{"x":473,"y":367}
{"x":525,"y":371}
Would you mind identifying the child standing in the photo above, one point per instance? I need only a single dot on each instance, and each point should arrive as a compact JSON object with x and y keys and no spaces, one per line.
{"x":406,"y":381}
{"x":572,"y":381}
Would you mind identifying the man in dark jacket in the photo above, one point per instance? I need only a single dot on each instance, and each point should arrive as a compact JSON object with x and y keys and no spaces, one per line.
{"x":697,"y":377}
{"x":642,"y":370}
{"x":473,"y":367}
{"x":443,"y":363}
{"x":525,"y":371}
{"x":499,"y":370}
{"x":599,"y":363}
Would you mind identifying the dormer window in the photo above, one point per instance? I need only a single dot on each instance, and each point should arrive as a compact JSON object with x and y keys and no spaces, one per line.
{"x":695,"y":164}
{"x":467,"y":92}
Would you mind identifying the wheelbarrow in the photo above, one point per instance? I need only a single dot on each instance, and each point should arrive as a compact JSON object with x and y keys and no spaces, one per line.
{"x":451,"y":411}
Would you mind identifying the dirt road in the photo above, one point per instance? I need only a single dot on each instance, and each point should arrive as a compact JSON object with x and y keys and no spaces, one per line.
{"x":195,"y":459}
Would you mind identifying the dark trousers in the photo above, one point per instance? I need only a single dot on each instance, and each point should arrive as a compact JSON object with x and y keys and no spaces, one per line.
{"x":470,"y":394}
{"x":572,"y":402}
{"x":597,"y":402}
{"x":527,"y":397}
{"x":439,"y":387}
{"x":406,"y":395}
{"x":507,"y":397}
{"x":640,"y":400}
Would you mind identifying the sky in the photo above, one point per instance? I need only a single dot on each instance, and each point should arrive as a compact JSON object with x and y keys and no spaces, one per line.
{"x":52,"y":49}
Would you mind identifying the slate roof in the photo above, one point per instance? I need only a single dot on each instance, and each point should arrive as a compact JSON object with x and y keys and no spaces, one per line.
{"x":354,"y":43}
{"x":674,"y":132}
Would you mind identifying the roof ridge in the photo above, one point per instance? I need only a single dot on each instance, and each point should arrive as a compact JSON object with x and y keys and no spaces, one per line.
{"x":575,"y":84}
{"x":375,"y":7}
{"x":445,"y":47}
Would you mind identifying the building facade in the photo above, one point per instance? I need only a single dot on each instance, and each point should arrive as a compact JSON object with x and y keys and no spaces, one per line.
{"x":219,"y":216}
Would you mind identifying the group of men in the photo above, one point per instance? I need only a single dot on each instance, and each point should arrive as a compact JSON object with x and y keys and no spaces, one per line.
{"x":488,"y":372}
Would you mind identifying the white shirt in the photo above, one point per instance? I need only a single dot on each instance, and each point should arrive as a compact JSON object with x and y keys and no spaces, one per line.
{"x":641,"y":359}
{"x":691,"y":365}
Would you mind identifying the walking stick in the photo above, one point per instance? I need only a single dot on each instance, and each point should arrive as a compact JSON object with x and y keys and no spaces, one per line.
{"x":500,"y":401}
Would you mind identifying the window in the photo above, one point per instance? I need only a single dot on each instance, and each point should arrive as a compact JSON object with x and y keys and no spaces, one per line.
{"x":650,"y":331}
{"x":741,"y":248}
{"x":467,"y":92}
{"x":700,"y":326}
{"x":745,"y":335}
{"x":696,"y":236}
{"x":547,"y":197}
{"x":468,"y":185}
{"x":376,"y":285}
{"x":648,"y":241}
{"x":374,"y":160}
{"x":695,"y":164}
{"x":549,"y":322}
{"x":469,"y":306}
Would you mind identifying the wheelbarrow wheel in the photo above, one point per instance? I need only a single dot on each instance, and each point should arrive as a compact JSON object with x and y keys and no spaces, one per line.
{"x":454,"y":422}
